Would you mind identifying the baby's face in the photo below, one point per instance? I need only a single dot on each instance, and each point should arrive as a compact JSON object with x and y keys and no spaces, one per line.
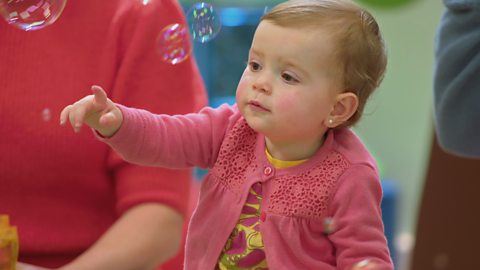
{"x":291,"y":82}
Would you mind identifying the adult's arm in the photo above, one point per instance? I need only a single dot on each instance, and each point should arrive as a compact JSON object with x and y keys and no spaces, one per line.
{"x":144,"y":236}
{"x":457,"y":78}
{"x":25,"y":266}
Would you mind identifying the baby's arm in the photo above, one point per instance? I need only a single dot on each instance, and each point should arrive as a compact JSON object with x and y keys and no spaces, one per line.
{"x":359,"y":236}
{"x":96,"y":110}
{"x":170,"y":141}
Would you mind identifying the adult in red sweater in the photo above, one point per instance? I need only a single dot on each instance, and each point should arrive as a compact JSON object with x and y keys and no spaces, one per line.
{"x":75,"y":203}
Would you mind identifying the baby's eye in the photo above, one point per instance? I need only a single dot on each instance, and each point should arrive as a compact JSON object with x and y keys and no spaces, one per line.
{"x":254,"y":66}
{"x":289,"y":78}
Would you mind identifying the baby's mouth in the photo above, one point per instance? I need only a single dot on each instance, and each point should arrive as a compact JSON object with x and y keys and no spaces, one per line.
{"x":257,"y":106}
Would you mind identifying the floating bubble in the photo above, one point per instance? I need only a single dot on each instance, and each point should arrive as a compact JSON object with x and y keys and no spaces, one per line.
{"x":173,"y":44}
{"x":46,"y":114}
{"x":266,"y":9}
{"x":31,"y":14}
{"x":204,"y":22}
{"x":440,"y":261}
{"x":328,"y":225}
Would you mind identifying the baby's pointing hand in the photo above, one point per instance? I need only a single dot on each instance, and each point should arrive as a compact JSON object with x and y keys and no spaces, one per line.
{"x":96,"y":110}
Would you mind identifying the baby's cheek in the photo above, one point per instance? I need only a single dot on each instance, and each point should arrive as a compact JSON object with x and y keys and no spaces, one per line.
{"x":286,"y":103}
{"x":241,"y":90}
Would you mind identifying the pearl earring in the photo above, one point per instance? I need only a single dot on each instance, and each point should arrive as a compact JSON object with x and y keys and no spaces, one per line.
{"x":330,"y":121}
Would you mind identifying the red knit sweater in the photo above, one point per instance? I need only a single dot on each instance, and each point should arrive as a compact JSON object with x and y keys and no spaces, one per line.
{"x":63,"y":190}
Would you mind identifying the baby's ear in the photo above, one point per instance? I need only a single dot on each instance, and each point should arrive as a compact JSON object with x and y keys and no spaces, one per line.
{"x":346,"y":105}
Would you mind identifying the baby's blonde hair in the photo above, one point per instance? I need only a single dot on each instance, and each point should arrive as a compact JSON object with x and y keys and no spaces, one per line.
{"x":360,"y":52}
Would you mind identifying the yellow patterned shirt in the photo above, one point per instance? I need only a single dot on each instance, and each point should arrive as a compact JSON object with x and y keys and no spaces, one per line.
{"x":244,"y":248}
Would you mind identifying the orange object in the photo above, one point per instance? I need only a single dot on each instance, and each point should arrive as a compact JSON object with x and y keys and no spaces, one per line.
{"x":8,"y":244}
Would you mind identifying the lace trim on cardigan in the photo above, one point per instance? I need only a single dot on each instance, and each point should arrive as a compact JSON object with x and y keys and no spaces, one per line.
{"x":304,"y":195}
{"x":307,"y":194}
{"x":236,"y":156}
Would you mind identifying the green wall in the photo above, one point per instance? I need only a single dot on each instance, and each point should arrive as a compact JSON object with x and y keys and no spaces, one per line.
{"x":398,"y":122}
{"x":397,"y":125}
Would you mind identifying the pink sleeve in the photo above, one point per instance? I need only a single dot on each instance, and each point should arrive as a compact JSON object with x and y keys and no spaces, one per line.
{"x":131,"y":70}
{"x":356,"y":212}
{"x":177,"y":142}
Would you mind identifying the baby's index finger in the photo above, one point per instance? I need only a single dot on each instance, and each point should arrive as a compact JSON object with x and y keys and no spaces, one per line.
{"x":100,"y":95}
{"x":64,"y":115}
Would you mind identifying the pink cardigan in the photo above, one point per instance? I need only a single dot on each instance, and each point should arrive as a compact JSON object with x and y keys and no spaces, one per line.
{"x":340,"y":181}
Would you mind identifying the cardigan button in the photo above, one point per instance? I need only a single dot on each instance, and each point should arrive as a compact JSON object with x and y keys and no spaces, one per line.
{"x":263,"y":216}
{"x":267,"y":171}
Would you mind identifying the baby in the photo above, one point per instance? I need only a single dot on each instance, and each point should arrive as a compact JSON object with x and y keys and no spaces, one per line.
{"x":290,"y":186}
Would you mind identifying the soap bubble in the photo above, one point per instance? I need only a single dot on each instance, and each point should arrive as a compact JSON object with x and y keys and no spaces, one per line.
{"x":31,"y":14}
{"x":328,"y":225}
{"x":46,"y":114}
{"x":266,"y":9}
{"x":173,"y":44}
{"x":440,"y":261}
{"x":204,"y":22}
